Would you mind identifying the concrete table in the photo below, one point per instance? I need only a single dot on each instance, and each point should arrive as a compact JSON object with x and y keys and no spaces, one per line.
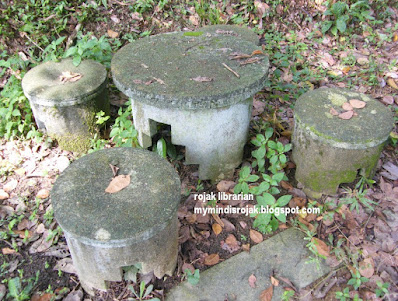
{"x":189,"y":81}
{"x":108,"y":231}
{"x":66,"y":109}
{"x":241,"y":32}
{"x":329,"y":150}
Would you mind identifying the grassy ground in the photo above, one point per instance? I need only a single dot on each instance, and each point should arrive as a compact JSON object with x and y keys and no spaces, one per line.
{"x":310,"y":43}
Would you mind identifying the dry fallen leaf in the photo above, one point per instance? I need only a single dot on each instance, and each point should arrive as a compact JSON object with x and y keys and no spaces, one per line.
{"x":257,"y":52}
{"x":70,"y":77}
{"x":258,"y":107}
{"x":7,"y":251}
{"x":225,"y":186}
{"x":321,"y":247}
{"x":246,"y":247}
{"x":274,"y":281}
{"x":232,"y":243}
{"x":357,"y":104}
{"x":118,"y":183}
{"x":217,"y":229}
{"x":3,"y":195}
{"x":202,"y":79}
{"x":212,"y":259}
{"x":346,"y":115}
{"x":347,"y":106}
{"x":392,"y":84}
{"x":112,"y":34}
{"x":10,"y":186}
{"x":42,"y":297}
{"x":266,"y":295}
{"x":256,"y":236}
{"x":366,"y":267}
{"x":333,"y":112}
{"x":252,"y":281}
{"x":43,"y":194}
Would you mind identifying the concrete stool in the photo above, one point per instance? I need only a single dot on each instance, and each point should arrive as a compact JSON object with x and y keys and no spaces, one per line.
{"x":188,"y":80}
{"x":108,"y":231}
{"x":329,"y":150}
{"x":66,"y":109}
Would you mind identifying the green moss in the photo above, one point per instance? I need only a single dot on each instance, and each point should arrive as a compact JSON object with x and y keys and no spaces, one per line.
{"x":77,"y":142}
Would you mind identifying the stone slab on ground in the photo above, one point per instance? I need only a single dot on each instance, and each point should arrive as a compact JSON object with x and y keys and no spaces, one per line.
{"x":284,"y":254}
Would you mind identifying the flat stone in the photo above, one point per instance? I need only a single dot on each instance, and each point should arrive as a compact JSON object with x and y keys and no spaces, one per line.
{"x":43,"y":86}
{"x":86,"y":211}
{"x":283,"y":254}
{"x":241,"y":32}
{"x":161,"y":70}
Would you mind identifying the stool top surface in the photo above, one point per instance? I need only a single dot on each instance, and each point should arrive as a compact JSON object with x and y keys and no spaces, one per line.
{"x":44,"y":86}
{"x":184,"y":70}
{"x":241,"y":32}
{"x":83,"y":208}
{"x":315,"y":109}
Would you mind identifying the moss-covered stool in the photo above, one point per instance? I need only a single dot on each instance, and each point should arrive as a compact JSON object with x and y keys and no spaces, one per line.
{"x":200,"y":84}
{"x":107,"y":232}
{"x":65,"y":99}
{"x":337,"y":133}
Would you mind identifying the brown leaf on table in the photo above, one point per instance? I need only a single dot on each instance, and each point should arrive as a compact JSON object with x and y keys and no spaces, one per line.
{"x":202,"y":79}
{"x":238,"y":56}
{"x":217,"y":229}
{"x":257,"y":52}
{"x":255,"y":236}
{"x":333,"y":112}
{"x":159,"y":80}
{"x":252,"y":281}
{"x":321,"y":247}
{"x":357,"y":104}
{"x":274,"y":281}
{"x":69,"y":77}
{"x":391,"y":82}
{"x":366,"y":267}
{"x":347,"y":106}
{"x":112,"y":34}
{"x":266,"y":295}
{"x":346,"y":115}
{"x":118,"y":183}
{"x":212,"y":259}
{"x":7,"y":251}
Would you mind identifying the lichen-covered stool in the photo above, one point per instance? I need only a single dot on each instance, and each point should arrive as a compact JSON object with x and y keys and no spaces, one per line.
{"x":65,"y":99}
{"x":199,"y":84}
{"x":108,"y":231}
{"x":337,"y":133}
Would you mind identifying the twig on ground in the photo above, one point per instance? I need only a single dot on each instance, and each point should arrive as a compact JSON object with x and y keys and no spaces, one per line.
{"x":229,"y":69}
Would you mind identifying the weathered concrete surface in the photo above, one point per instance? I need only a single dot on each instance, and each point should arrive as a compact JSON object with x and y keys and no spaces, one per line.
{"x":241,"y":32}
{"x":66,"y":111}
{"x":160,"y":71}
{"x":328,"y":150}
{"x":179,"y":79}
{"x":106,"y":232}
{"x":214,"y":138}
{"x":284,"y":255}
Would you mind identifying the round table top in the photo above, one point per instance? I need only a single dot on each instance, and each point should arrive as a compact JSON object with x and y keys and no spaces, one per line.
{"x":241,"y":32}
{"x":190,"y":70}
{"x":320,"y":111}
{"x":62,"y":83}
{"x":148,"y":204}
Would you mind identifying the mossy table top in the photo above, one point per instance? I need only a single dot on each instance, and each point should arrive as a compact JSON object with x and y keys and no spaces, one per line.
{"x":83,"y":208}
{"x":43,"y":84}
{"x":185,"y":70}
{"x":371,"y":126}
{"x":241,"y":32}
